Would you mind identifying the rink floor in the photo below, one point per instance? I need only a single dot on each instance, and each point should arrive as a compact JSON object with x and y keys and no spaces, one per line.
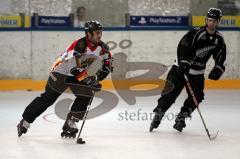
{"x":114,"y":135}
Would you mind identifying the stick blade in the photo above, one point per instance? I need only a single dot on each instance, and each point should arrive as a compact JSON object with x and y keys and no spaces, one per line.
{"x":213,"y":137}
{"x":80,"y":141}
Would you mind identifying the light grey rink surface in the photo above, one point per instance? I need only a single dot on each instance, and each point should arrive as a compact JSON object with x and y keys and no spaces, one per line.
{"x":123,"y":132}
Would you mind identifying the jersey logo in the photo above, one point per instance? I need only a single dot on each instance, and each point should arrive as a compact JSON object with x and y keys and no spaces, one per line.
{"x":204,"y":51}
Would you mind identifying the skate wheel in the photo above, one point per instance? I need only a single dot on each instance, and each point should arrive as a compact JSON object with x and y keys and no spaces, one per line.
{"x":73,"y":136}
{"x":19,"y":134}
{"x":68,"y":135}
{"x":63,"y":134}
{"x":178,"y":128}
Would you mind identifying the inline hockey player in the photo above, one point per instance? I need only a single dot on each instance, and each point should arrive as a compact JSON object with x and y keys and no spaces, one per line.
{"x":69,"y":68}
{"x":194,"y":50}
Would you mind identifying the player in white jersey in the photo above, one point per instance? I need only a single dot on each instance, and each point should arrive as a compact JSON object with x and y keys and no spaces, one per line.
{"x":71,"y":69}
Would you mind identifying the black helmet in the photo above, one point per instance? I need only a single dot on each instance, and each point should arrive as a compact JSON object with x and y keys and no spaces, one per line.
{"x":91,"y":26}
{"x":214,"y":13}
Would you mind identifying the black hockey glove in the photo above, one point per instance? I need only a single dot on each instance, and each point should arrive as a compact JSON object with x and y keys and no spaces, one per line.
{"x":216,"y":73}
{"x":77,"y":70}
{"x":184,"y":67}
{"x":92,"y":83}
{"x":104,"y":71}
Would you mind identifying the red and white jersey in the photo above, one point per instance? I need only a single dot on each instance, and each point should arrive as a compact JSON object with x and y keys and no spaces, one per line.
{"x":81,"y":47}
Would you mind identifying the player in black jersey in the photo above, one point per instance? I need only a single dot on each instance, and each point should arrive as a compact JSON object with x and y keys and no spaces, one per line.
{"x":194,"y":50}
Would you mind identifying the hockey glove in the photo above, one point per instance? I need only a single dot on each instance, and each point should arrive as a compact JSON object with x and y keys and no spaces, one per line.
{"x":104,"y":71}
{"x":92,"y":83}
{"x":79,"y":73}
{"x":216,"y":73}
{"x":184,"y":67}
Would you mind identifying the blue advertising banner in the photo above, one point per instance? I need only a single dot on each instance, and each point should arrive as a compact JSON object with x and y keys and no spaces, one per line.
{"x":158,"y":20}
{"x":51,"y":21}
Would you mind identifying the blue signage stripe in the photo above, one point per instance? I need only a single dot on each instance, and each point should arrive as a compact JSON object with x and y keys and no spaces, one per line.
{"x":52,"y":21}
{"x":158,"y":20}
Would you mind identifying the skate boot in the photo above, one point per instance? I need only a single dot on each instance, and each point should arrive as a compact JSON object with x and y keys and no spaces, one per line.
{"x":180,"y":122}
{"x":156,"y":121}
{"x":70,"y":128}
{"x":22,"y":127}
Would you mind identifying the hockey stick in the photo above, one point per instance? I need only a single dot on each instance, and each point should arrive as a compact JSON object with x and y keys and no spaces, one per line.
{"x":196,"y":104}
{"x":80,"y":140}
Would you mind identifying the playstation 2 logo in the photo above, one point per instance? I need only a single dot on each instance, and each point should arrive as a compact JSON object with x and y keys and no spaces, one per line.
{"x":142,"y":21}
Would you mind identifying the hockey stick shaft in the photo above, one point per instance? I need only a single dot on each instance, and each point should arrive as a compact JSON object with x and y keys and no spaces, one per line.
{"x":85,"y":115}
{"x":197,"y":106}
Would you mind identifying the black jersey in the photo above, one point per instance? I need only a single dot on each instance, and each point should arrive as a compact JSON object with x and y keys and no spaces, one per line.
{"x":197,"y":46}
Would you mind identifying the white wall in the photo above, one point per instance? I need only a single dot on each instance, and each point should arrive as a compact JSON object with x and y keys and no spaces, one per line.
{"x":15,"y":55}
{"x":30,"y":54}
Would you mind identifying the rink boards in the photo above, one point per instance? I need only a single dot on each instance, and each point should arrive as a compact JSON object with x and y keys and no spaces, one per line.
{"x":26,"y":56}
